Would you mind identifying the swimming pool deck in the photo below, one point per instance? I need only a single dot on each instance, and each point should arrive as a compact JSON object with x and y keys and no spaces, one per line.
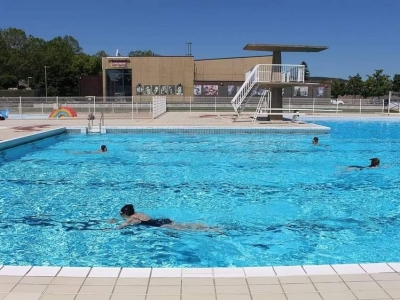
{"x":327,"y":282}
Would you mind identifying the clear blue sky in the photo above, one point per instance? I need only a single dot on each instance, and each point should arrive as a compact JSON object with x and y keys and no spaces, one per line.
{"x":362,"y":35}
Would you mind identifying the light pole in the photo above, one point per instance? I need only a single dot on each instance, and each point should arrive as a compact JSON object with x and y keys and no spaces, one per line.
{"x":28,"y":81}
{"x":45,"y":79}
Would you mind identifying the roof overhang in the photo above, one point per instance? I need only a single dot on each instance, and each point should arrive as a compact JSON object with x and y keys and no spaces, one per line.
{"x":284,"y":48}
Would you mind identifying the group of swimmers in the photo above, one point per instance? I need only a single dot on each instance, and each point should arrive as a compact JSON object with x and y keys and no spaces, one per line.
{"x":374,"y":161}
{"x":131,"y":217}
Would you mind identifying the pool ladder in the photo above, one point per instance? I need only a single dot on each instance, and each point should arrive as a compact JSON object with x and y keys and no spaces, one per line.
{"x":95,"y":129}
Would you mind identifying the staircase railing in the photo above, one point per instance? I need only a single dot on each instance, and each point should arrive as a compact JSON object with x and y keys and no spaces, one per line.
{"x":264,"y":104}
{"x":245,"y":89}
{"x":267,"y":74}
{"x":101,"y":121}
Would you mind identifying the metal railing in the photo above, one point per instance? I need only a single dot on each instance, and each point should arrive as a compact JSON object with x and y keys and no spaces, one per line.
{"x":267,"y":74}
{"x":101,"y":121}
{"x":142,"y":108}
{"x":280,"y":73}
{"x":244,"y":89}
{"x":264,"y":104}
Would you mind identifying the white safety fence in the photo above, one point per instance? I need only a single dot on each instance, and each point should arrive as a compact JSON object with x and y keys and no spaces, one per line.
{"x":142,"y":107}
{"x":159,"y":106}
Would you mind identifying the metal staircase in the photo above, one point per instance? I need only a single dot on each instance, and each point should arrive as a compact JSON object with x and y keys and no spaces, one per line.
{"x":245,"y":89}
{"x":264,"y":105}
{"x":267,"y":74}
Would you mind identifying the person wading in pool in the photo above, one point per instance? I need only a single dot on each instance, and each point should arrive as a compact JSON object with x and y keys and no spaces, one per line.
{"x":136,"y":218}
{"x":374,"y":164}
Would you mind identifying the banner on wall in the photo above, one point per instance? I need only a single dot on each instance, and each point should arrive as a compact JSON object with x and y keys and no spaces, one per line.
{"x":147,"y":90}
{"x":155,"y":89}
{"x":210,"y":90}
{"x":163,"y":90}
{"x":197,"y":90}
{"x":179,"y":90}
{"x":231,"y":90}
{"x":139,"y":90}
{"x":300,"y":91}
{"x":320,"y":91}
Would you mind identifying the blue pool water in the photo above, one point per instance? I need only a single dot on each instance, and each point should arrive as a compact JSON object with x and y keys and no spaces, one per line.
{"x":275,"y":199}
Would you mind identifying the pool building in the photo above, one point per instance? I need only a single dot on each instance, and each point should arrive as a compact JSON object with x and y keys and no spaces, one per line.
{"x":188,"y":76}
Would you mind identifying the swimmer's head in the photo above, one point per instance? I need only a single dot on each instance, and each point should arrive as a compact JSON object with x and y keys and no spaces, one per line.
{"x":127,"y":210}
{"x":103,"y":148}
{"x":374,"y":162}
{"x":315,"y":140}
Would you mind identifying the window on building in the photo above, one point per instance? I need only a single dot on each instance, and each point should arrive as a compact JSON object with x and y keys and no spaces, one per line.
{"x":119,"y":82}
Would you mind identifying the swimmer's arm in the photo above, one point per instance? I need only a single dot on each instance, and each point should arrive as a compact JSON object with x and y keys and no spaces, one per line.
{"x":127,"y":223}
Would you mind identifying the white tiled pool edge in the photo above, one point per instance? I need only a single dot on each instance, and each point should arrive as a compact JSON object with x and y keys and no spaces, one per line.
{"x":115,"y":272}
{"x":311,"y":129}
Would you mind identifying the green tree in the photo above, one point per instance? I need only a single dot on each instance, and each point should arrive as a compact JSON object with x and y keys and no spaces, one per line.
{"x":8,"y":81}
{"x":15,"y":43}
{"x":23,"y":56}
{"x":366,"y":90}
{"x":142,"y":53}
{"x":59,"y":54}
{"x":101,"y":53}
{"x":338,"y":88}
{"x":396,"y":83}
{"x":3,"y":54}
{"x":378,"y":84}
{"x":307,"y":71}
{"x":354,"y":85}
{"x":83,"y":65}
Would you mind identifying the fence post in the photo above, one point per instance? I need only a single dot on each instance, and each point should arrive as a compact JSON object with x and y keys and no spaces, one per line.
{"x":289,"y":104}
{"x":42,"y":109}
{"x":132,"y":107}
{"x":94,"y":105}
{"x":337,"y":106}
{"x":20,"y":107}
{"x":215,"y":110}
{"x":313,"y":105}
{"x":360,"y":105}
{"x":190,"y":105}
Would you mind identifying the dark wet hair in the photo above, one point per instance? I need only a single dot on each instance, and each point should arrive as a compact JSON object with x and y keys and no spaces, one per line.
{"x":127,"y":209}
{"x":374,"y":162}
{"x":315,"y":139}
{"x":103,"y":148}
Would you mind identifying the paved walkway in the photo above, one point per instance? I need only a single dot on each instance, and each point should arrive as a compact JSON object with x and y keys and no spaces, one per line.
{"x":330,"y":282}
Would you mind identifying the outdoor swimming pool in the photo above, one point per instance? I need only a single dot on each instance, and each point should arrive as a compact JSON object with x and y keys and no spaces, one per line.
{"x":276,"y":198}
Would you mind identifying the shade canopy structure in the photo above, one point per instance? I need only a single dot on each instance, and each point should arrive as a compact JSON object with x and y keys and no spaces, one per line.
{"x":284,"y":48}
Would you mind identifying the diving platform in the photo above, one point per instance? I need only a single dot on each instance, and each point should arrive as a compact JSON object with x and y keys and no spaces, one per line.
{"x":273,"y":76}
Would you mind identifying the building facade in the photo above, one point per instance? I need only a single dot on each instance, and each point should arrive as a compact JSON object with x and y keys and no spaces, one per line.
{"x":183,"y":76}
{"x":175,"y":75}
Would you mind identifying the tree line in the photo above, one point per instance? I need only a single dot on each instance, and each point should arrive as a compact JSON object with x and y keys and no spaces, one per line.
{"x":376,"y":85}
{"x":24,"y":58}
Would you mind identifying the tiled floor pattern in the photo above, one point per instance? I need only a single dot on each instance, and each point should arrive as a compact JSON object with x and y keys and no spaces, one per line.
{"x":275,"y":283}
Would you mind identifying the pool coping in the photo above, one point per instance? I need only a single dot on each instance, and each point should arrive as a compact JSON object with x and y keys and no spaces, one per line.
{"x":216,"y":272}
